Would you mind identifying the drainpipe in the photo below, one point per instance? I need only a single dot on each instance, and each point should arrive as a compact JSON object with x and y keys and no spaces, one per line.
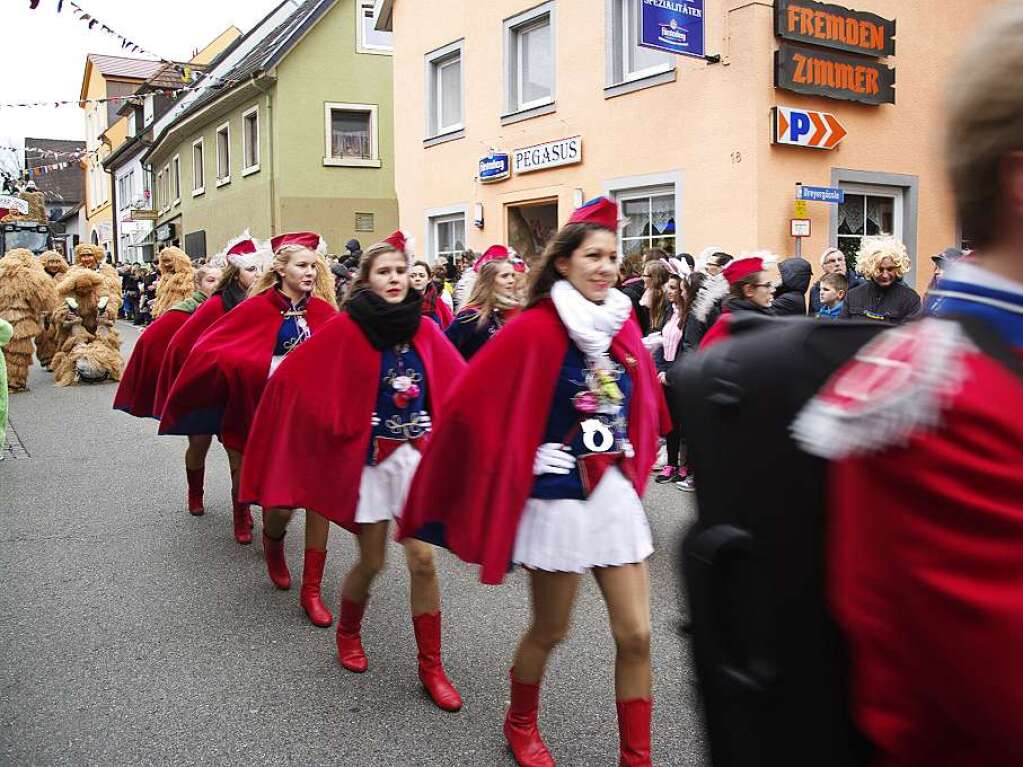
{"x":268,"y":94}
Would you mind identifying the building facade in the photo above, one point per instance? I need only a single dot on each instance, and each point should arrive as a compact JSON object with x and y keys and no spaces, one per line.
{"x":513,"y":112}
{"x":298,"y":135}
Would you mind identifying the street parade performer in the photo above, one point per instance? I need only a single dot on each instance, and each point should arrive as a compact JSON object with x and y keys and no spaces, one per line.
{"x":245,"y":260}
{"x":492,"y":302}
{"x":750,"y":291}
{"x":557,"y":489}
{"x":88,"y":344}
{"x":26,"y":294}
{"x":56,"y":267}
{"x":351,"y":457}
{"x":177,"y":278}
{"x":218,"y":388}
{"x":923,"y":433}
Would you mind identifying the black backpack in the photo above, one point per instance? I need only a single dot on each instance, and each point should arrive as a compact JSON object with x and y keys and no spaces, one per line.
{"x":770,"y":662}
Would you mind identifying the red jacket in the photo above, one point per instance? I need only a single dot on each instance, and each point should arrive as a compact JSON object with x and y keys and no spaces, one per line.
{"x":477,"y":470}
{"x":219,"y":386}
{"x":307,"y":448}
{"x":136,"y":392}
{"x":181,"y":344}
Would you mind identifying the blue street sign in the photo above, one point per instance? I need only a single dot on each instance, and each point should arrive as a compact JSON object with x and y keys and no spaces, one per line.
{"x":821,"y":194}
{"x":675,"y":26}
{"x":495,"y":167}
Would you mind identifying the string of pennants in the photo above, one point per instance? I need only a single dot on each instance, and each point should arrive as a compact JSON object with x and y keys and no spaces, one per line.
{"x":94,"y":23}
{"x":39,"y":152}
{"x":167,"y":92}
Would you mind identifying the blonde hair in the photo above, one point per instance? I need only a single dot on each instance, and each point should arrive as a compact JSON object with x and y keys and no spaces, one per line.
{"x":323,"y":287}
{"x":202,"y":271}
{"x":484,"y":295}
{"x":985,"y":119}
{"x":873,"y":250}
{"x":371,"y":254}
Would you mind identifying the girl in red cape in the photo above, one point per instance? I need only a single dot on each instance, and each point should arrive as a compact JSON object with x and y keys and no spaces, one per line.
{"x":492,"y":302}
{"x":245,"y":260}
{"x":351,"y":457}
{"x":557,"y":488}
{"x":136,"y":392}
{"x":219,"y":387}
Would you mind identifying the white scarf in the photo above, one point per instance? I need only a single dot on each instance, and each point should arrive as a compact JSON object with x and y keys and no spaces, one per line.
{"x":591,"y":326}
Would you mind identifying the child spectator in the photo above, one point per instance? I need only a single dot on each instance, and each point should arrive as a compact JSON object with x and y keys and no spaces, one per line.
{"x":832,"y":295}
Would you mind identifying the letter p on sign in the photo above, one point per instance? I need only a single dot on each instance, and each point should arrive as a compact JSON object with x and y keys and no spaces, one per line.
{"x":806,"y":128}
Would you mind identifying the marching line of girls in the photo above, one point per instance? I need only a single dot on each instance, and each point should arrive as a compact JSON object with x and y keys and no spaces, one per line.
{"x":557,"y":489}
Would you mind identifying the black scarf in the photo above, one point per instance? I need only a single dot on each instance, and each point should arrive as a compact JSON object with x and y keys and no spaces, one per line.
{"x":386,"y":325}
{"x":232,"y":295}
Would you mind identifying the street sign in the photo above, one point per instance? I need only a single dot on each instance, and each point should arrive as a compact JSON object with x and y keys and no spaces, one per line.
{"x":675,"y":26}
{"x":801,"y":209}
{"x":831,"y":194}
{"x":141,"y":214}
{"x":799,"y":227}
{"x":495,"y":167}
{"x":807,"y":128}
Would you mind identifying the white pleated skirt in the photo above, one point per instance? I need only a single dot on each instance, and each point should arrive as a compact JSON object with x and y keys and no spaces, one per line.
{"x":384,"y":487}
{"x":569,"y":535}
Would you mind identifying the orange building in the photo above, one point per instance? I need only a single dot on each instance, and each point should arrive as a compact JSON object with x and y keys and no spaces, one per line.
{"x":512,"y":112}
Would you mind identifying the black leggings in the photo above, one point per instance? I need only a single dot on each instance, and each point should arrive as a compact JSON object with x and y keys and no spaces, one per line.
{"x":674,"y":446}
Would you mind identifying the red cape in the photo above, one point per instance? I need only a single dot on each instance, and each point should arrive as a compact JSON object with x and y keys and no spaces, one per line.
{"x":444,"y":313}
{"x":308,"y":443}
{"x":136,"y":392}
{"x":720,"y":331}
{"x":219,"y":386}
{"x":477,"y":470}
{"x":181,"y":344}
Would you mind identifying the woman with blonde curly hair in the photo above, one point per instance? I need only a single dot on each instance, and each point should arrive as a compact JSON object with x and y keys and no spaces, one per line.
{"x":220,"y":385}
{"x":883,"y":262}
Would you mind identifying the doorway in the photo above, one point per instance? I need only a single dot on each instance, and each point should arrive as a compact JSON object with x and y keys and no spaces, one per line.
{"x":531,"y":225}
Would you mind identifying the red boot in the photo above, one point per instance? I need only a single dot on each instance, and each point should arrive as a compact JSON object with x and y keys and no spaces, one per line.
{"x":312,"y":575}
{"x":520,"y":728}
{"x":349,"y":640}
{"x":242,"y":523}
{"x":195,"y":482}
{"x":634,"y":732}
{"x":276,"y":564}
{"x":431,"y":672}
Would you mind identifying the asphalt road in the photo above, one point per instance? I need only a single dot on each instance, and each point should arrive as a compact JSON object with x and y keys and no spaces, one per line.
{"x":134,"y":634}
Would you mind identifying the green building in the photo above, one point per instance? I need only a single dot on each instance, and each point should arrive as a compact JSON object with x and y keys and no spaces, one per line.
{"x":290,"y":129}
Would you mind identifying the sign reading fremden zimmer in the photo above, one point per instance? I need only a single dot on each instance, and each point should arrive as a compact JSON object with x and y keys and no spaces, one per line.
{"x":566,"y":151}
{"x":833,"y":26}
{"x":823,"y":73}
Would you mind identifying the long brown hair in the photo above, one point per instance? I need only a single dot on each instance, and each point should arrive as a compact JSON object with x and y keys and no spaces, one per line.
{"x":658,"y":274}
{"x":562,"y":245}
{"x":323,"y":287}
{"x":681,"y":302}
{"x":484,"y":294}
{"x":369,"y":256}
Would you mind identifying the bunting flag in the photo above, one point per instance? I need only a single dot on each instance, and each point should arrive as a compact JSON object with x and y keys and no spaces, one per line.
{"x":39,"y":152}
{"x":170,"y":93}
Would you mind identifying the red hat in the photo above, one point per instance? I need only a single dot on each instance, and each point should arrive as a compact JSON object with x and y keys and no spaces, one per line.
{"x":600,"y":211}
{"x":242,"y":247}
{"x":741,"y":268}
{"x":398,"y":241}
{"x":310,"y":240}
{"x":493,"y":253}
{"x":243,"y":251}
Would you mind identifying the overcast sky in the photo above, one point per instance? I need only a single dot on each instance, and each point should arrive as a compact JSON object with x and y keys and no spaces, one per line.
{"x":43,"y":53}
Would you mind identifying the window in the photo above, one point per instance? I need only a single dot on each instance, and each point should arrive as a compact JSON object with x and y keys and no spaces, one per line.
{"x":529,"y":59}
{"x":198,"y":168}
{"x":224,"y":154}
{"x":444,"y":88}
{"x":250,"y":141}
{"x":867,"y":212}
{"x":628,"y":61}
{"x":370,"y":39}
{"x":649,"y":215}
{"x":147,"y":109}
{"x":364,"y":222}
{"x":176,"y":179}
{"x":448,"y":235}
{"x":133,"y":123}
{"x":125,"y":193}
{"x":351,"y":135}
{"x":161,"y":188}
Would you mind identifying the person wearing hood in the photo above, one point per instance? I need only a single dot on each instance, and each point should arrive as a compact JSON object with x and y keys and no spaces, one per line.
{"x":790,"y":295}
{"x":351,"y":258}
{"x":884,"y":296}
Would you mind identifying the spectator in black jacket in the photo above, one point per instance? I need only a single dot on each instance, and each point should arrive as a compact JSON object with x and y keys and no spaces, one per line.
{"x":790,"y":296}
{"x":883,"y":261}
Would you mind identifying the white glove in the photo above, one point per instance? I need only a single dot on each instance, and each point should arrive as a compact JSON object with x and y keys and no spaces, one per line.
{"x":553,"y":458}
{"x":374,"y":420}
{"x":627,"y":449}
{"x":424,"y":422}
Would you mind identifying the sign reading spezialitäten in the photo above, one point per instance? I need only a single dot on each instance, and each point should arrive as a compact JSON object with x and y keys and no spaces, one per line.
{"x":675,"y":26}
{"x":833,"y":75}
{"x":833,"y":26}
{"x":565,"y":151}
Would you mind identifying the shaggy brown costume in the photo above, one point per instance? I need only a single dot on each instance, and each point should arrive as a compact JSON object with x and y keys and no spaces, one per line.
{"x":93,"y":257}
{"x":88,"y":343}
{"x":46,"y":342}
{"x":177,"y":280}
{"x":26,"y":292}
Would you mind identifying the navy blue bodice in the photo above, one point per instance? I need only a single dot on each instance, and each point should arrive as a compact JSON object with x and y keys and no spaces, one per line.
{"x":466,"y":336}
{"x":399,"y":421}
{"x":588,"y":433}
{"x":294,"y":329}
